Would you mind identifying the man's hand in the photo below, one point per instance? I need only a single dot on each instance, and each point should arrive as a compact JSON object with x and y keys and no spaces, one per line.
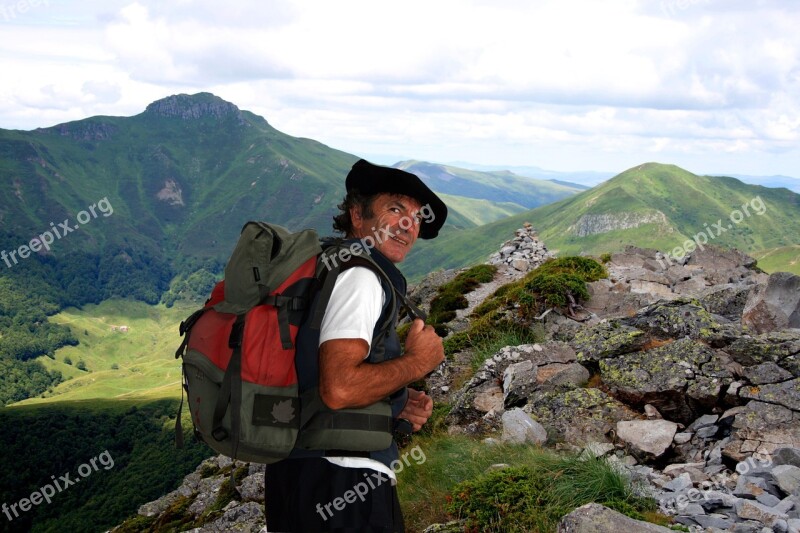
{"x":418,"y":409}
{"x":424,"y":346}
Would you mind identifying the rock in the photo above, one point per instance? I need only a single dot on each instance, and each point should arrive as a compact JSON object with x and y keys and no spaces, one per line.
{"x":490,"y":399}
{"x":762,"y":428}
{"x":595,"y":518}
{"x":606,"y":340}
{"x":786,"y":456}
{"x":651,"y":412}
{"x":751,"y":510}
{"x":726,"y":300}
{"x":682,"y":438}
{"x":680,"y":379}
{"x":252,"y":488}
{"x":520,"y":428}
{"x":775,"y":347}
{"x":775,"y":305}
{"x":454,"y":526}
{"x":679,"y":484}
{"x":750,"y":487}
{"x":652,"y":437}
{"x":684,"y":317}
{"x":597,"y":449}
{"x":714,"y":521}
{"x":767,"y":372}
{"x":786,"y":394}
{"x":579,"y":416}
{"x":788,"y":479}
{"x":556,"y":375}
{"x":606,"y":300}
{"x":246,"y":518}
{"x":703,"y":421}
{"x":519,"y":380}
{"x":768,"y":499}
{"x":159,"y":506}
{"x":520,"y":264}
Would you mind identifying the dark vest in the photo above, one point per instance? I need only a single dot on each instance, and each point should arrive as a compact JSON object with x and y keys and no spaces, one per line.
{"x":307,"y":361}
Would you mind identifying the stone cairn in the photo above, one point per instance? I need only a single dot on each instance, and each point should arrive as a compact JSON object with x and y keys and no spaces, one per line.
{"x":522,"y":253}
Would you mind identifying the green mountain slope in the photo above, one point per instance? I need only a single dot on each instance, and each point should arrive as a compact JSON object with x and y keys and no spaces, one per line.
{"x":651,"y":205}
{"x":149,"y":207}
{"x":785,"y":258}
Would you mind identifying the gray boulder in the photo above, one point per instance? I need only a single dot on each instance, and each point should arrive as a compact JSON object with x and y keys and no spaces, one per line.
{"x":595,"y":518}
{"x":761,"y":428}
{"x":520,"y":428}
{"x":786,"y":394}
{"x":579,"y":416}
{"x":726,"y":300}
{"x":683,"y":317}
{"x":788,"y":479}
{"x":606,"y":340}
{"x":647,"y":437}
{"x":775,"y":305}
{"x":681,"y":379}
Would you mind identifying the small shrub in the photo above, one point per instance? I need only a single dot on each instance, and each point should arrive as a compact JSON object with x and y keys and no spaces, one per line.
{"x":605,"y":258}
{"x":114,"y":366}
{"x":535,"y":496}
{"x":67,"y":360}
{"x":81,"y":365}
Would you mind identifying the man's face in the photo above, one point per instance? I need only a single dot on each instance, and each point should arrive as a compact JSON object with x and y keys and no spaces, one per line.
{"x":394,"y":226}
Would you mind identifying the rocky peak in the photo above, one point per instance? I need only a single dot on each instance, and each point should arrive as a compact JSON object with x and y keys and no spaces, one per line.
{"x":195,"y":106}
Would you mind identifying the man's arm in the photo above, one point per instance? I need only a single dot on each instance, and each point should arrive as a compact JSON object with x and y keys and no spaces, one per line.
{"x":346,"y":380}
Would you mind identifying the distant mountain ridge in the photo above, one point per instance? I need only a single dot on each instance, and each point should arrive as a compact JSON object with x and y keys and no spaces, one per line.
{"x":499,"y":186}
{"x":651,"y":205}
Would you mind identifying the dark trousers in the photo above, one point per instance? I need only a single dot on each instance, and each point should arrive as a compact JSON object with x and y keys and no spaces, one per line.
{"x":314,"y":495}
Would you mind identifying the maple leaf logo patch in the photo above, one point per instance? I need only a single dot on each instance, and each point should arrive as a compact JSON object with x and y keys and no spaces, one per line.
{"x":283,"y":411}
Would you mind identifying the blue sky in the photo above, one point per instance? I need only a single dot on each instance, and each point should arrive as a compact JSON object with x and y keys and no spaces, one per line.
{"x":710,"y":85}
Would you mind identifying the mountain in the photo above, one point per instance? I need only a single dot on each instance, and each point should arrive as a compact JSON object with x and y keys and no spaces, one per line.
{"x":651,"y":205}
{"x":793,"y":184}
{"x":582,"y":179}
{"x":149,"y":207}
{"x":500,"y":186}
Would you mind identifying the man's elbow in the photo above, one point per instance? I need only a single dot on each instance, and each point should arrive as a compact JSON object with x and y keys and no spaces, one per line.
{"x":334,"y":397}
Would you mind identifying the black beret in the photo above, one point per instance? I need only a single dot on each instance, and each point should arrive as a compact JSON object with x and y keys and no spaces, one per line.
{"x":369,"y":179}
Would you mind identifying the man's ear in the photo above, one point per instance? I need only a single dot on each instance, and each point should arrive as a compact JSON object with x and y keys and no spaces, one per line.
{"x":355,"y":216}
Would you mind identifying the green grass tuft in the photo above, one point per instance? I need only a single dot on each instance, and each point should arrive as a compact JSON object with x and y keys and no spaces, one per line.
{"x":538,"y":487}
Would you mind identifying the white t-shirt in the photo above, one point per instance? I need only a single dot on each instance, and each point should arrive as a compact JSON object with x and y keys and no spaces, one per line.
{"x":352,"y":313}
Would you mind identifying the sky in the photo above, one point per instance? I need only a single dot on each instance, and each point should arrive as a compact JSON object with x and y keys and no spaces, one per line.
{"x":710,"y":85}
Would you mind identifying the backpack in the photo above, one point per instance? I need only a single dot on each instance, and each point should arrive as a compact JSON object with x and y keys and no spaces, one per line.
{"x":239,"y":351}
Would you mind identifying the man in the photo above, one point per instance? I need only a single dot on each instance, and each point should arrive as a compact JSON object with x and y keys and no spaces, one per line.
{"x":386,"y":209}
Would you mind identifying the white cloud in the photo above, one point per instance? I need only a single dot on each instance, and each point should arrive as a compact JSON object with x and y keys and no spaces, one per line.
{"x":559,"y":83}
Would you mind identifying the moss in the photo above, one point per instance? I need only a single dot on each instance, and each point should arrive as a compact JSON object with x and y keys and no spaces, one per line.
{"x":402,"y":331}
{"x":136,"y":524}
{"x":209,"y":469}
{"x":227,"y":492}
{"x":176,"y":517}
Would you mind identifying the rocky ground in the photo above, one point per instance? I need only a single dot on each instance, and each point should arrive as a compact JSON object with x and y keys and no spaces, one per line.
{"x":684,"y":373}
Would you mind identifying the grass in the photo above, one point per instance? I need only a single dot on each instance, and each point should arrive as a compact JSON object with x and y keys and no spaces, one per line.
{"x":488,"y":345}
{"x":143,"y":356}
{"x":454,"y":477}
{"x":784,"y":259}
